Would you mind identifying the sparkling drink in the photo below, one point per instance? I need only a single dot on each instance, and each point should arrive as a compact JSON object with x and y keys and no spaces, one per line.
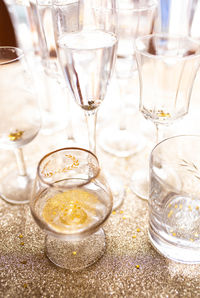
{"x":87,"y":59}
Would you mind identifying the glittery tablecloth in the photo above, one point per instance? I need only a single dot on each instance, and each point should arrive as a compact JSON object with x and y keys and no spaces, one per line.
{"x":130,"y":266}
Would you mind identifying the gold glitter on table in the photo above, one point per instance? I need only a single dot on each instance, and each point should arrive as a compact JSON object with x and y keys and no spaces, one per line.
{"x":130,"y":266}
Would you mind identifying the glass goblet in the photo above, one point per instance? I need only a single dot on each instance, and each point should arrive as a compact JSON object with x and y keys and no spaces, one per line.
{"x":71,"y":200}
{"x":167,"y":68}
{"x":135,"y":18}
{"x":20,"y":120}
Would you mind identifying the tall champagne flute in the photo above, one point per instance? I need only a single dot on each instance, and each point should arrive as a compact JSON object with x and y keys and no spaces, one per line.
{"x":20,"y":121}
{"x":86,"y":37}
{"x":86,"y":41}
{"x":167,"y":68}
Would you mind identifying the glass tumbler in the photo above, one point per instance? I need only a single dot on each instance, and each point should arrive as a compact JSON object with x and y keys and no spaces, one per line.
{"x":174,"y":198}
{"x":70,"y":202}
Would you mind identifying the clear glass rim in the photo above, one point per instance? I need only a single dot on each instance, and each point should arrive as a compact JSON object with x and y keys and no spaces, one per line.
{"x":172,"y":138}
{"x":66,"y":149}
{"x":17,"y":50}
{"x":166,"y":36}
{"x":153,"y":4}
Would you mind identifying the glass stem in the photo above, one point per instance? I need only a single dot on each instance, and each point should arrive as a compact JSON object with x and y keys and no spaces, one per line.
{"x":20,"y":162}
{"x":159,"y":135}
{"x":91,"y":119}
{"x":70,"y":126}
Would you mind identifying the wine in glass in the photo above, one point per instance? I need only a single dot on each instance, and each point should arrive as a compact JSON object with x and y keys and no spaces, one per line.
{"x":20,"y":120}
{"x":71,"y":200}
{"x":167,"y":68}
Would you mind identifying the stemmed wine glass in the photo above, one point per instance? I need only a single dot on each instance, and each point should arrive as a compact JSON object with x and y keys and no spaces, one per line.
{"x":71,"y":200}
{"x":167,"y":68}
{"x":135,"y":18}
{"x":86,"y":37}
{"x":20,"y":120}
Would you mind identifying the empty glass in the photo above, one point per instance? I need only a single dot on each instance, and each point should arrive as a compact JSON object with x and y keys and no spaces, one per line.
{"x":135,"y":18}
{"x":174,"y":198}
{"x":167,"y":68}
{"x":71,"y":200}
{"x":20,"y":120}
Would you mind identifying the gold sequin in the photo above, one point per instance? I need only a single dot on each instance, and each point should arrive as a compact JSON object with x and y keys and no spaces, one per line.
{"x":14,"y":136}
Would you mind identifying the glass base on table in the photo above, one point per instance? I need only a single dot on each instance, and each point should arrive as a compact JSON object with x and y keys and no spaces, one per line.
{"x":117,"y":189}
{"x":140,"y":184}
{"x":75,"y":255}
{"x":16,"y":189}
{"x":177,"y":236}
{"x":121,"y":142}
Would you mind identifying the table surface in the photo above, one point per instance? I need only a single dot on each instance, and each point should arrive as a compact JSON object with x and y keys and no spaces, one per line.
{"x":25,"y":271}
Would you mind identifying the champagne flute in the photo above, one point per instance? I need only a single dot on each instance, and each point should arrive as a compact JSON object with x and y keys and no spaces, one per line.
{"x":86,"y":37}
{"x":20,"y":120}
{"x":71,"y":200}
{"x":167,"y":68}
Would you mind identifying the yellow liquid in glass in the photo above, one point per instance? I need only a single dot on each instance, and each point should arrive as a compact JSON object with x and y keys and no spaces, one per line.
{"x":70,"y":210}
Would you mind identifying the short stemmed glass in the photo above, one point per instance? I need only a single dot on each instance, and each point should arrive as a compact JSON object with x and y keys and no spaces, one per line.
{"x":167,"y":68}
{"x":20,"y":120}
{"x":86,"y":37}
{"x":71,"y":200}
{"x":135,"y":18}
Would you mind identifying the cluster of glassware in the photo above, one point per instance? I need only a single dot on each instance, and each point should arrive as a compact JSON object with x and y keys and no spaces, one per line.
{"x":71,"y":198}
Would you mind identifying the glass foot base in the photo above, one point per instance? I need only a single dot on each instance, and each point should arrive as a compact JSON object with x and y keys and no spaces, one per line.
{"x":16,"y":189}
{"x":174,"y":230}
{"x":140,"y":185}
{"x":117,"y":189}
{"x":121,"y":143}
{"x":75,"y":255}
{"x":176,"y":252}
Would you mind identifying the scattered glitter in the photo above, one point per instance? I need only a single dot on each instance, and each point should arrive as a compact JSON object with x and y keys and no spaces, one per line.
{"x":22,"y":243}
{"x":134,"y":236}
{"x":137,"y":266}
{"x":21,"y":236}
{"x":74,"y":253}
{"x":192,"y":240}
{"x":138,"y":230}
{"x":14,"y":136}
{"x":161,"y":113}
{"x":25,"y":285}
{"x":170,"y":213}
{"x":197,"y":207}
{"x":174,"y":234}
{"x":114,"y":212}
{"x":176,"y":206}
{"x":124,"y":217}
{"x":121,"y":211}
